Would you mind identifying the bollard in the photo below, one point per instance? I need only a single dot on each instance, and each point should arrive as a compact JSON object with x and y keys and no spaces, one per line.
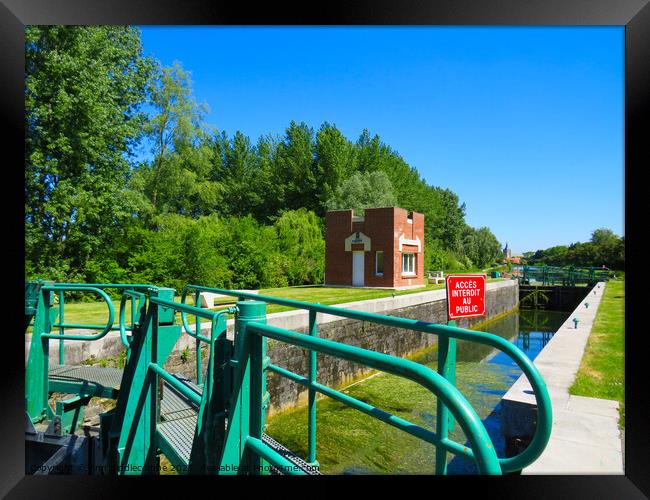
{"x":575,"y":322}
{"x":586,"y":305}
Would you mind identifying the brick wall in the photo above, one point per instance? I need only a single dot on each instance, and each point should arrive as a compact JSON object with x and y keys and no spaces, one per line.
{"x":338,"y":262}
{"x":384,"y":227}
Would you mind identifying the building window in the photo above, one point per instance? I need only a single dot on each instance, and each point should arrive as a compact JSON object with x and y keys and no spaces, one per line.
{"x":379,"y":263}
{"x":408,"y":263}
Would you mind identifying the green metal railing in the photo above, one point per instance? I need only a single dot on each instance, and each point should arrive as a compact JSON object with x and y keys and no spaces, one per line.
{"x":447,"y":337}
{"x":97,"y":288}
{"x":567,"y":276}
{"x":233,"y":401}
{"x":39,"y":298}
{"x":485,"y":455}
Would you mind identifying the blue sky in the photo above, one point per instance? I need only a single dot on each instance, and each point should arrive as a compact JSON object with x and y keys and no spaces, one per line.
{"x":525,"y":124}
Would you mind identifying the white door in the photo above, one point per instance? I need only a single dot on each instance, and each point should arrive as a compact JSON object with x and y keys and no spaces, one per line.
{"x":357,"y":268}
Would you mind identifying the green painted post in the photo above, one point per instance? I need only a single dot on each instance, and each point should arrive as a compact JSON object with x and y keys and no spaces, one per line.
{"x":61,"y":329}
{"x":256,"y":311}
{"x":444,"y":418}
{"x":134,"y":313}
{"x":246,"y":410}
{"x":134,"y":424}
{"x":199,"y":368}
{"x":36,"y":373}
{"x":311,"y":424}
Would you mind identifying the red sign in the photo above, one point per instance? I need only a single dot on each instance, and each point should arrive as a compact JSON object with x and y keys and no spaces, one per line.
{"x":465,"y":295}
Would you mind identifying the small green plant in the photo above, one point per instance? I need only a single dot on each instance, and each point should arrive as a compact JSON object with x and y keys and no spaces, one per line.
{"x":121,"y":359}
{"x":185,"y":354}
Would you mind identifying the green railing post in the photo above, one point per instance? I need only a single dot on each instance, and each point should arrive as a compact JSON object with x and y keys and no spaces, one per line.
{"x":36,"y":373}
{"x":246,"y":408}
{"x":444,"y":418}
{"x":133,"y":429}
{"x":134,"y":313}
{"x":313,"y":370}
{"x":199,"y":368}
{"x":258,"y":383}
{"x":61,"y":329}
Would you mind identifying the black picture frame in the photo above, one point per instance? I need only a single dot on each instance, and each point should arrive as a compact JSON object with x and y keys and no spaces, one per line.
{"x":633,"y":14}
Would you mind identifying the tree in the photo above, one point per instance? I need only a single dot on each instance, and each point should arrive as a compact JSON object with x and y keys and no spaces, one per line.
{"x":295,"y":182}
{"x":604,"y":237}
{"x":489,"y":248}
{"x":363,"y":190}
{"x":177,"y":178}
{"x":238,"y":171}
{"x":302,"y":244}
{"x":450,"y":226}
{"x":604,"y":248}
{"x":83,"y":89}
{"x":335,"y":161}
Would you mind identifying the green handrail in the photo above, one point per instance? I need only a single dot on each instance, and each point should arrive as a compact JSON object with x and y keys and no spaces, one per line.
{"x":91,"y":287}
{"x":184,"y":312}
{"x":383,"y":416}
{"x":109,"y":285}
{"x":201,"y":400}
{"x":186,"y":308}
{"x":544,"y":411}
{"x":195,"y":397}
{"x":76,"y":288}
{"x":211,"y":315}
{"x":484,"y":452}
{"x":125,"y":295}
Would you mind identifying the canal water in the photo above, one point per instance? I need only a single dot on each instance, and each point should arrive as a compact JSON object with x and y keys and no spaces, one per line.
{"x":530,"y":331}
{"x":350,"y":442}
{"x":483,"y":376}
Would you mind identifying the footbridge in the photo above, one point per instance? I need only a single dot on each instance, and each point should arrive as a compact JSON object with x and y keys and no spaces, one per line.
{"x":565,"y":276}
{"x":215,"y":424}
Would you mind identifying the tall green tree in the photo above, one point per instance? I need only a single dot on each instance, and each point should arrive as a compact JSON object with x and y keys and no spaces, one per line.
{"x":238,"y":170}
{"x":363,"y":190}
{"x":302,"y":244}
{"x":452,"y":220}
{"x":335,"y":160}
{"x":295,"y":180}
{"x":177,"y":179}
{"x":489,"y":248}
{"x":83,"y":89}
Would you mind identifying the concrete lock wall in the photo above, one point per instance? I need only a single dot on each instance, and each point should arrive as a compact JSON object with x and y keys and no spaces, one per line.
{"x":429,"y":306}
{"x":335,"y":372}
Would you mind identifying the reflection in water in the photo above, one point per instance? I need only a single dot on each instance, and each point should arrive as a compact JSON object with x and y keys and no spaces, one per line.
{"x":530,"y":331}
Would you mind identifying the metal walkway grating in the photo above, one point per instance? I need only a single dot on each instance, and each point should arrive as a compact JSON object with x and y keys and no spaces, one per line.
{"x":179,"y":434}
{"x":289,"y":455}
{"x":178,"y":425}
{"x":178,"y":415}
{"x":81,"y":379}
{"x":178,"y":419}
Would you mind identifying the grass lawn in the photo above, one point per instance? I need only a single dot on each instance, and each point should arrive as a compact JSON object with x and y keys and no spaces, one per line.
{"x":601,"y":373}
{"x":96,"y":312}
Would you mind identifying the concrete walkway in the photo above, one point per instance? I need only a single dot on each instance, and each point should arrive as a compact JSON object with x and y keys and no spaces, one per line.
{"x":585,"y":437}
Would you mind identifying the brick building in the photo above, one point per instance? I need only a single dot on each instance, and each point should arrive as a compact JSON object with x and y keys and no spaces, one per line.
{"x":385,"y":248}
